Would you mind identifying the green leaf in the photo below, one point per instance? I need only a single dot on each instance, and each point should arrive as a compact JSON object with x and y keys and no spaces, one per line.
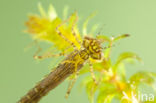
{"x":144,"y":77}
{"x":85,"y":69}
{"x":65,"y":12}
{"x":91,"y":88}
{"x":127,"y":55}
{"x":94,"y":28}
{"x":105,"y":97}
{"x":84,"y":31}
{"x":105,"y":64}
{"x":104,"y":38}
{"x":121,"y":71}
{"x":121,"y":37}
{"x":52,"y":13}
{"x":42,"y":11}
{"x":150,"y":101}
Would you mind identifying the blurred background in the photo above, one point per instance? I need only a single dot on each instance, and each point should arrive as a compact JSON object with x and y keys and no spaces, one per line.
{"x":19,"y":71}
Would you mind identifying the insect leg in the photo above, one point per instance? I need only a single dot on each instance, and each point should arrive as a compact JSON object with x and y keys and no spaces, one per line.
{"x":75,"y":73}
{"x":47,"y":55}
{"x":30,"y":45}
{"x":59,"y":32}
{"x":92,"y":73}
{"x":71,"y":84}
{"x":39,"y":49}
{"x":35,"y":43}
{"x":73,"y":31}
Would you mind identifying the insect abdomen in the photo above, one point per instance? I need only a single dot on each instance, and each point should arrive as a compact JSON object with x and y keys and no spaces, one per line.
{"x":52,"y":80}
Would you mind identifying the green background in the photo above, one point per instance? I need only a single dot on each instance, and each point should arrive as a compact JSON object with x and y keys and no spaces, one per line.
{"x":19,"y":71}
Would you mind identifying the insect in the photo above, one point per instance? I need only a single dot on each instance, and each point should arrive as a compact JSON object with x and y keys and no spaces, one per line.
{"x":90,"y":48}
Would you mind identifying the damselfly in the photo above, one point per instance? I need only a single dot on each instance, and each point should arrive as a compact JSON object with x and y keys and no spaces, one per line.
{"x":83,"y":51}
